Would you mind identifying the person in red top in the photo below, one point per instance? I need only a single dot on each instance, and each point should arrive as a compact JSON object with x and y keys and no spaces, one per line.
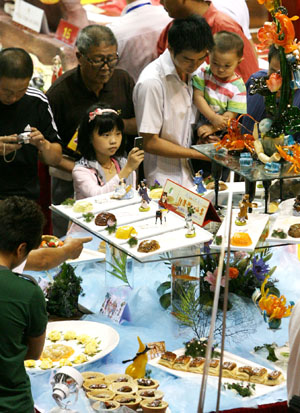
{"x":218,"y":21}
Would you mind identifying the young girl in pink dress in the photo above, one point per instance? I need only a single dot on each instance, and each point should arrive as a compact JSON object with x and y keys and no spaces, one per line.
{"x":101,"y":143}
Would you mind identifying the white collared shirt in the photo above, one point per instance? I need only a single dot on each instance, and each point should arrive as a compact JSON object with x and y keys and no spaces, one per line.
{"x":238,"y":11}
{"x":164,"y":106}
{"x":137,"y":32}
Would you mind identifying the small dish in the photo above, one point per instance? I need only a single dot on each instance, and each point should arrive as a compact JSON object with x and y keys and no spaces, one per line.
{"x":119,"y":378}
{"x":100,"y":395}
{"x":95,"y":384}
{"x":150,"y":394}
{"x":108,"y":405}
{"x":89,"y":375}
{"x":145,"y":383}
{"x":154,"y":406}
{"x":125,"y":389}
{"x":132,"y":402}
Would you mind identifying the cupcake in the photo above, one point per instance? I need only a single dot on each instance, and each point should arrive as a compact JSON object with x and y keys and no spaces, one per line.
{"x":95,"y":384}
{"x":125,"y":389}
{"x":145,"y":383}
{"x":119,"y":378}
{"x":88,"y":375}
{"x":131,"y":401}
{"x":107,"y":405}
{"x":100,"y":395}
{"x":154,"y":406}
{"x":150,"y":394}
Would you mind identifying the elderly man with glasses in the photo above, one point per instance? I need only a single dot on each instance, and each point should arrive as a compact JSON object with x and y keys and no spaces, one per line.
{"x":95,"y":79}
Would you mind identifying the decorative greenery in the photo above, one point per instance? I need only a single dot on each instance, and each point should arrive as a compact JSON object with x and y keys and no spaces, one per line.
{"x":197,"y":348}
{"x":279,"y":233}
{"x":244,"y":390}
{"x":271,"y":351}
{"x":111,"y":228}
{"x":88,"y":217}
{"x":155,"y":185}
{"x":133,"y":241}
{"x":119,"y":267}
{"x":68,"y":202}
{"x":62,"y":295}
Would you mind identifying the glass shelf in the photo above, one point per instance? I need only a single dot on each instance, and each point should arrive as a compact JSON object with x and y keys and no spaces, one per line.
{"x":255,"y":173}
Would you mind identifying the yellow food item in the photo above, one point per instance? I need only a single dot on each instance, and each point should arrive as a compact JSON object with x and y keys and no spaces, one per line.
{"x":84,"y":338}
{"x":65,"y":362}
{"x":54,"y":335}
{"x":83,"y":206}
{"x":241,"y":239}
{"x":125,"y":232}
{"x":57,"y":351}
{"x":70,"y":335}
{"x":156,"y":193}
{"x":81,"y":358}
{"x":29,"y":363}
{"x":91,"y":348}
{"x":46,"y":363}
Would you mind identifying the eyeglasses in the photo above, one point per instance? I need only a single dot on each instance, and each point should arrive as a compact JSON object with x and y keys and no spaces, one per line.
{"x":110,"y":61}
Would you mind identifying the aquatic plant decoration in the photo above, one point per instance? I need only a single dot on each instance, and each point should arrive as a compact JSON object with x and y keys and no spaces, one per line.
{"x":283,"y":117}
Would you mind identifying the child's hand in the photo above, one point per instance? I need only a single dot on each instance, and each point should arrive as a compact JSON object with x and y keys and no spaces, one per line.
{"x":219,"y":122}
{"x":205,"y":131}
{"x":135,"y":157}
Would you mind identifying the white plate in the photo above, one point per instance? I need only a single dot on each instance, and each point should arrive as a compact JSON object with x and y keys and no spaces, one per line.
{"x":235,"y":187}
{"x":88,"y":255}
{"x":170,"y":241}
{"x":100,"y":203}
{"x":108,"y":336}
{"x":260,"y":389}
{"x":254,"y":227}
{"x":124,"y":215}
{"x":147,"y":228}
{"x":284,"y":222}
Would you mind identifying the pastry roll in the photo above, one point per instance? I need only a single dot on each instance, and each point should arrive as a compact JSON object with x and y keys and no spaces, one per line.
{"x":274,"y":378}
{"x":243,"y":373}
{"x":214,"y":367}
{"x":259,"y":375}
{"x":167,"y":359}
{"x":197,"y":365}
{"x":229,"y":369}
{"x":182,"y":363}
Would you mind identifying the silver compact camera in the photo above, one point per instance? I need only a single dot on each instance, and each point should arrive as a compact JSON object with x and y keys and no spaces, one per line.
{"x":23,"y":137}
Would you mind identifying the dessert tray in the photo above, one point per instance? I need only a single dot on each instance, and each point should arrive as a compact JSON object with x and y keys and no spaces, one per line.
{"x":107,"y":339}
{"x":254,"y":227}
{"x":260,"y":389}
{"x":284,"y":222}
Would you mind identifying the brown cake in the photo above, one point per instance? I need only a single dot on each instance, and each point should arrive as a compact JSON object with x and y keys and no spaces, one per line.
{"x":148,"y":246}
{"x":102,"y":218}
{"x":294,"y":231}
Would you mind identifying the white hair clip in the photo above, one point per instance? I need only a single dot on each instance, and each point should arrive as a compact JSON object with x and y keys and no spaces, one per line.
{"x":99,"y":112}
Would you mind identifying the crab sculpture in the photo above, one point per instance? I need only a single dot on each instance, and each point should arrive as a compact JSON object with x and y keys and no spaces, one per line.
{"x":291,"y":154}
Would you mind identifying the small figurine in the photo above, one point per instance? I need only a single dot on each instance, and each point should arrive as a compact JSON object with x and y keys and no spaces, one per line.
{"x":137,"y":369}
{"x":161,"y":214}
{"x":144,"y":205}
{"x":143,"y":191}
{"x":57,"y":69}
{"x":189,"y":225}
{"x":123,"y":191}
{"x":244,"y":204}
{"x":296,"y":206}
{"x":198,"y":180}
{"x":163,"y":200}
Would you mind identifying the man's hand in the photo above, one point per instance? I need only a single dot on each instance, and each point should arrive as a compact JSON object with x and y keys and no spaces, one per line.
{"x":9,"y":144}
{"x":205,"y":131}
{"x":75,"y":246}
{"x":37,"y":139}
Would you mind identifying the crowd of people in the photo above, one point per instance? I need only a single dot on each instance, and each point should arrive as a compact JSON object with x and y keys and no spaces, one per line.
{"x":172,"y":82}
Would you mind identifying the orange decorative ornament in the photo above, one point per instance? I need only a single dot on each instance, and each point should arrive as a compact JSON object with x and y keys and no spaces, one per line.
{"x":274,"y":82}
{"x":269,"y":4}
{"x":285,"y":37}
{"x":233,"y":272}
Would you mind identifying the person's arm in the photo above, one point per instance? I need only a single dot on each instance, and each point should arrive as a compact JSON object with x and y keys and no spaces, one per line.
{"x":44,"y":259}
{"x":35,"y":347}
{"x":130,"y":127}
{"x":49,"y":153}
{"x":158,"y":146}
{"x":8,"y":144}
{"x":66,"y":164}
{"x":218,"y":121}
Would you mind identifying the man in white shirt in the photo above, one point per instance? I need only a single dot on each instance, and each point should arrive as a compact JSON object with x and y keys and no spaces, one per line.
{"x":163,"y":101}
{"x":137,"y":32}
{"x":237,"y":10}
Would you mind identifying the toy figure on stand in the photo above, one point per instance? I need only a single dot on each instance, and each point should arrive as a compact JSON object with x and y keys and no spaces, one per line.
{"x":198,"y":180}
{"x":244,"y":204}
{"x":137,"y":369}
{"x":296,"y":206}
{"x":163,"y":200}
{"x":143,"y":191}
{"x":122,"y":191}
{"x":144,"y":205}
{"x":57,"y":69}
{"x":189,"y":225}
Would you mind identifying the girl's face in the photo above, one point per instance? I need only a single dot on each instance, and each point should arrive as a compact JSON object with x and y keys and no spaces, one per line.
{"x":107,"y":144}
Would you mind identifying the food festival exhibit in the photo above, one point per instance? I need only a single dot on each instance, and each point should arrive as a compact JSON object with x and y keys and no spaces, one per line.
{"x":181,"y":302}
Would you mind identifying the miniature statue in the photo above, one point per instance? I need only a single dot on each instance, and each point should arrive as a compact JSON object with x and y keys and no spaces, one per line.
{"x":198,"y":180}
{"x":189,"y":225}
{"x":161,"y":214}
{"x":137,"y":369}
{"x":296,"y":206}
{"x":144,"y":205}
{"x":143,"y":191}
{"x":57,"y":69}
{"x":244,"y":204}
{"x":163,"y":200}
{"x":123,"y":191}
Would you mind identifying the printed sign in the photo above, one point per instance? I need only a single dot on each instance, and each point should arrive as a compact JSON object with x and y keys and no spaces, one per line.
{"x":28,"y":15}
{"x":178,"y":199}
{"x":116,"y":308}
{"x":66,"y":32}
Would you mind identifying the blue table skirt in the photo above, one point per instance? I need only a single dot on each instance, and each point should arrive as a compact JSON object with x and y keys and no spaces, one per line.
{"x":152,"y":323}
